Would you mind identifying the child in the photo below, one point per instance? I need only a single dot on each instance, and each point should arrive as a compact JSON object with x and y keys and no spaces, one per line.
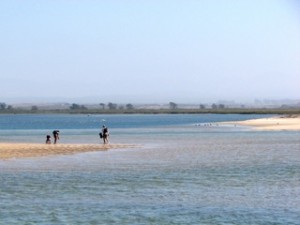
{"x":48,"y":139}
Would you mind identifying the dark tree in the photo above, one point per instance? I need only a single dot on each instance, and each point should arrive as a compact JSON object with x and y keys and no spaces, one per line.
{"x":76,"y":106}
{"x":112,"y":105}
{"x":102,"y":105}
{"x":10,"y":107}
{"x":34,"y":108}
{"x":202,"y":106}
{"x":214,"y":106}
{"x":129,"y":106}
{"x":2,"y":105}
{"x":172,"y":105}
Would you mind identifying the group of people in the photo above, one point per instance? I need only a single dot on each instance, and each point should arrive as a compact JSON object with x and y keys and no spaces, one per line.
{"x":103,"y":135}
{"x":55,"y":136}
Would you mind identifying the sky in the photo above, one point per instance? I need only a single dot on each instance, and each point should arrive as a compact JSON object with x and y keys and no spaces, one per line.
{"x":150,"y":51}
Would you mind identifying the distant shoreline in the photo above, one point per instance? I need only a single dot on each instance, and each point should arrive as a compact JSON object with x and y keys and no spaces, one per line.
{"x":24,"y":150}
{"x":278,"y":111}
{"x":278,"y":123}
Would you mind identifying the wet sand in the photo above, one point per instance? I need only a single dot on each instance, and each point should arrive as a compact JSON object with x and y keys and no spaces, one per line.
{"x":279,"y":123}
{"x":21,"y":150}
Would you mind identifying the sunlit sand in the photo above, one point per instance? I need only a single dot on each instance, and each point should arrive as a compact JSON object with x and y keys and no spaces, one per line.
{"x":21,"y":150}
{"x":288,"y":123}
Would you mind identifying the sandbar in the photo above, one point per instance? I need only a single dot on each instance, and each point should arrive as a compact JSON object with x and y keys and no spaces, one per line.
{"x":23,"y":150}
{"x":277,"y":123}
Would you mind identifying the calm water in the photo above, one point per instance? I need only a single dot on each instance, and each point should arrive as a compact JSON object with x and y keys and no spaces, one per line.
{"x":180,"y":174}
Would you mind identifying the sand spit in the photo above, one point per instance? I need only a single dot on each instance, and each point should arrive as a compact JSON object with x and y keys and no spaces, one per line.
{"x":21,"y":150}
{"x":288,"y":123}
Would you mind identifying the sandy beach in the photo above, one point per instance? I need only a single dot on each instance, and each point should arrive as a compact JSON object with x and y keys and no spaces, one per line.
{"x":21,"y":150}
{"x":278,"y":123}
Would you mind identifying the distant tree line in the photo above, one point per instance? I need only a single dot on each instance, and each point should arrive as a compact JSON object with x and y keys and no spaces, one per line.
{"x":4,"y":106}
{"x":75,"y":106}
{"x":111,"y":106}
{"x":172,"y":107}
{"x":219,"y":106}
{"x":129,"y":106}
{"x":103,"y":106}
{"x":114,"y":106}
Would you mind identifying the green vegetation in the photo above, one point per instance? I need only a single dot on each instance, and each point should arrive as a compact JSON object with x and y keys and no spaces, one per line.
{"x":171,"y":108}
{"x":152,"y":111}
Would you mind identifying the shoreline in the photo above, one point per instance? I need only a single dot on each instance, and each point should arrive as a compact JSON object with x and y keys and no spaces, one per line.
{"x":278,"y":123}
{"x":277,"y":111}
{"x":26,"y":150}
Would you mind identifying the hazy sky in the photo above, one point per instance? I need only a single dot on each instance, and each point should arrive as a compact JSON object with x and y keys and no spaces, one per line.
{"x":135,"y":51}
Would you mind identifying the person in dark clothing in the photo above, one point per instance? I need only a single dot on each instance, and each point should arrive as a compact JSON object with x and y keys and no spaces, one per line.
{"x":55,"y":135}
{"x":48,"y":139}
{"x":105,"y":134}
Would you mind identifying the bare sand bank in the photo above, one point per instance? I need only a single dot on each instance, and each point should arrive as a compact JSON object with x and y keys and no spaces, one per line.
{"x":289,"y":123}
{"x":21,"y":150}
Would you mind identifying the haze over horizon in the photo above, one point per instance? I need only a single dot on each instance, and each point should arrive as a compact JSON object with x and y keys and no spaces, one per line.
{"x":92,"y":100}
{"x":149,"y":51}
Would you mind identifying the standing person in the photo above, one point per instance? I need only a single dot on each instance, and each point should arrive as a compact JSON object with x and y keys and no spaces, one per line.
{"x":105,"y":134}
{"x":55,"y":135}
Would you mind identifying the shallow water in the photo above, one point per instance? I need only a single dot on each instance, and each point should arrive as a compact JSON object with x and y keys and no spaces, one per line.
{"x":180,"y":174}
